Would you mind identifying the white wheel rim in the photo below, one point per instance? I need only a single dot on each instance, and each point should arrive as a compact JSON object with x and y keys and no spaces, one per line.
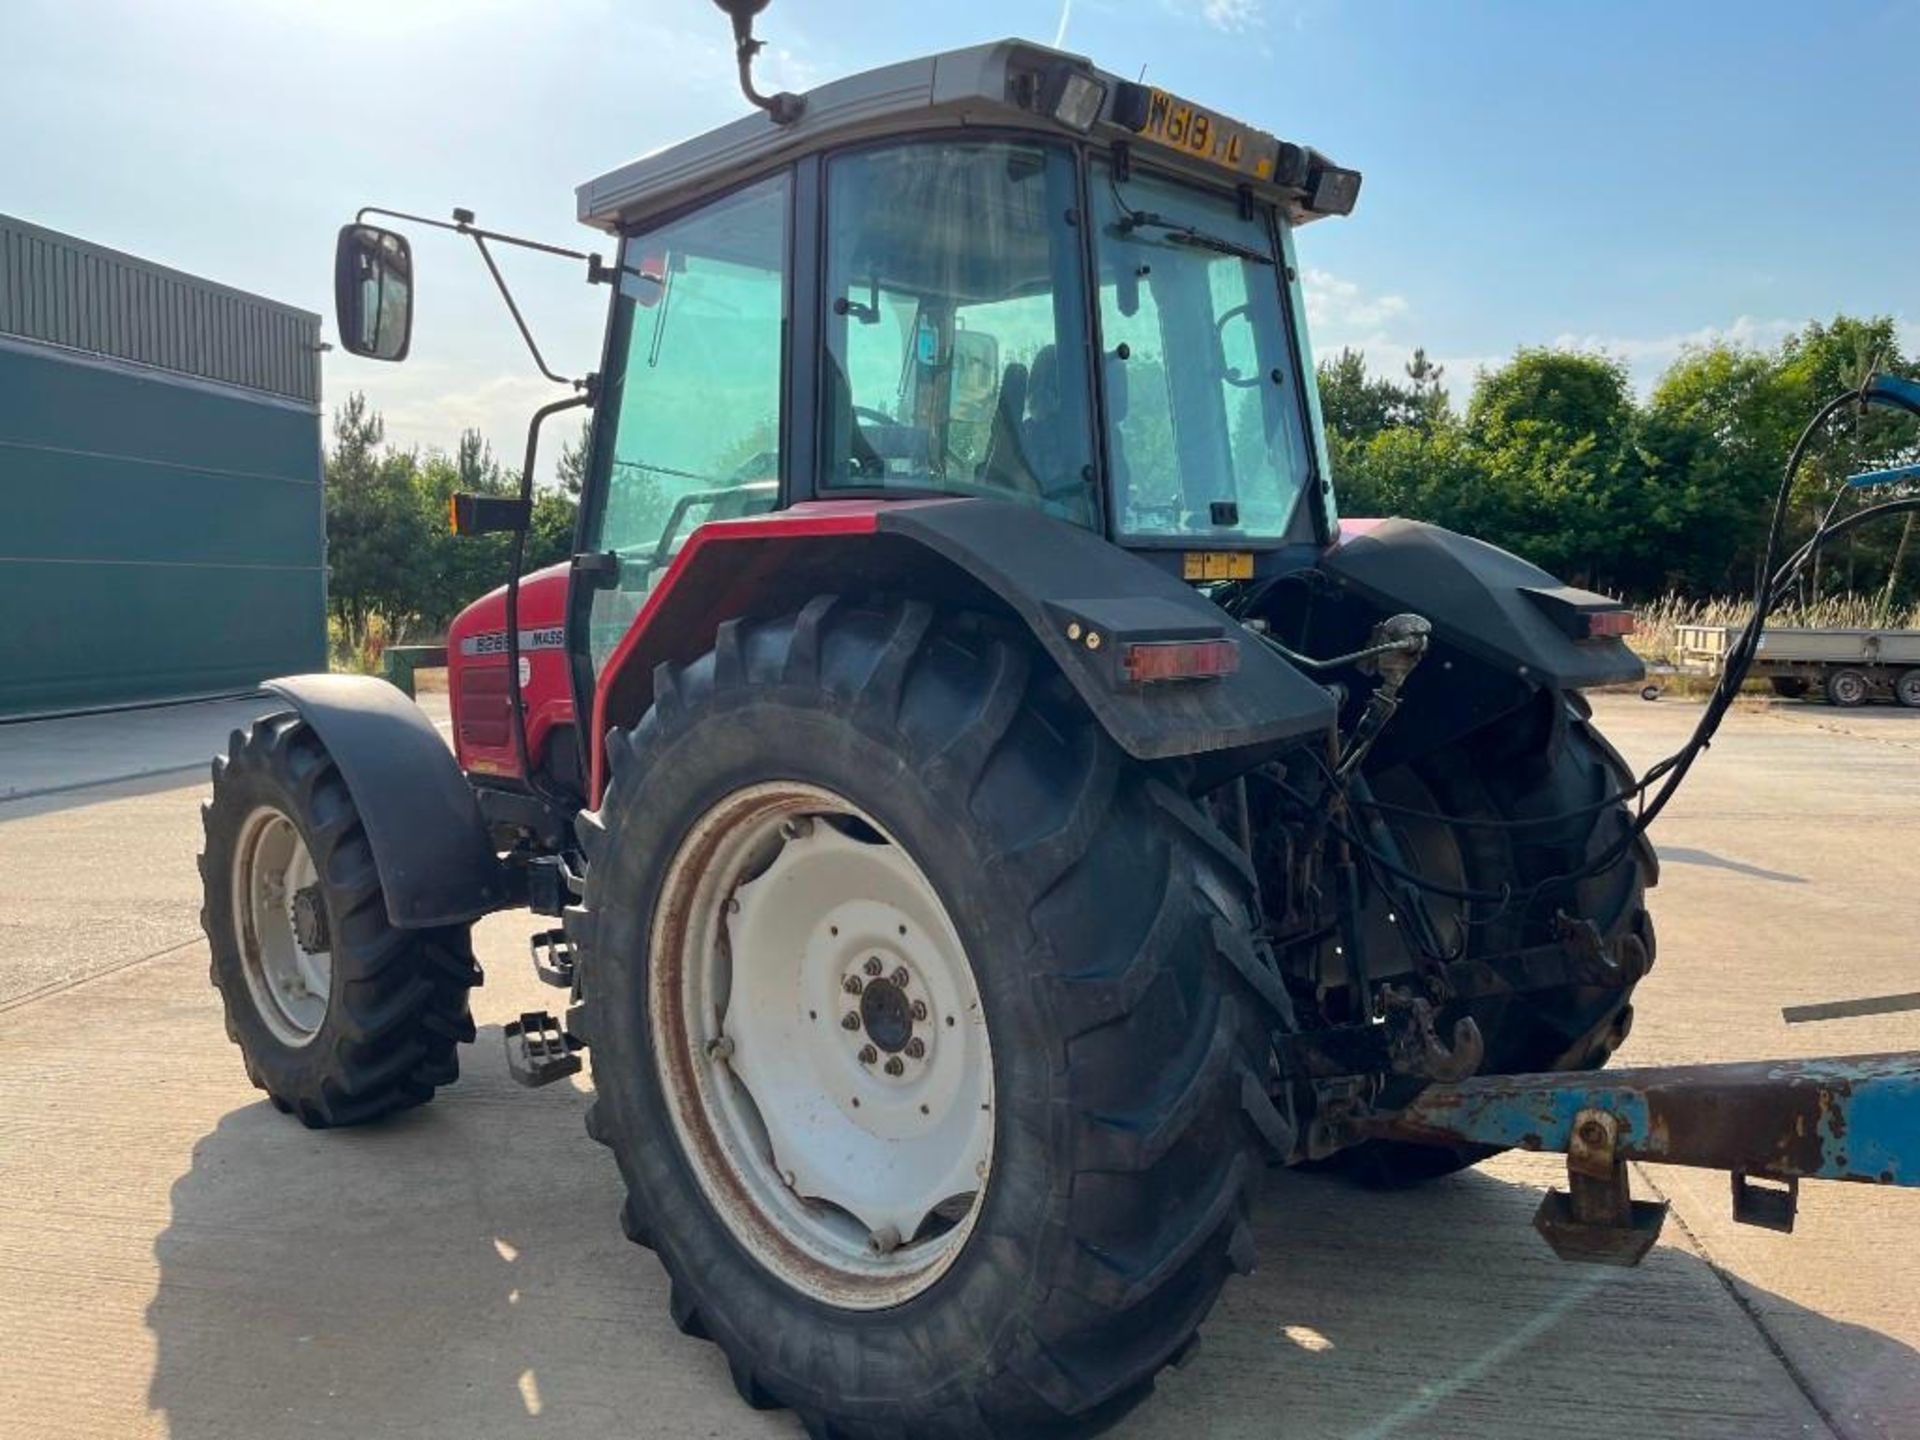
{"x":851,"y":1159}
{"x":289,"y":982}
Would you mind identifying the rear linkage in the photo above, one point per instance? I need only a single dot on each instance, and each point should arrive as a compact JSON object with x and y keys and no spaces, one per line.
{"x":1769,"y":1124}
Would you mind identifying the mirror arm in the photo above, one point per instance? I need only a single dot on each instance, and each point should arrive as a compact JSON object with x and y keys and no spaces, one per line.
{"x":500,"y":282}
{"x":598,"y":271}
{"x":462,"y":224}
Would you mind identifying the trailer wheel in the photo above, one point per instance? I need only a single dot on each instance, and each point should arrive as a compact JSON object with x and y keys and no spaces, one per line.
{"x":1788,"y":687}
{"x":1907,"y":689}
{"x":921,"y":1028}
{"x":1848,"y":688}
{"x":1517,"y":770}
{"x":339,"y":1017}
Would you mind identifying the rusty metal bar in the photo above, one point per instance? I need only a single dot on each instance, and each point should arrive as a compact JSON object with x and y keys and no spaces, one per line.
{"x":1843,"y":1118}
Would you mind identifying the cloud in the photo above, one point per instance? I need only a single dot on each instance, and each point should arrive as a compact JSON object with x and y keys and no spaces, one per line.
{"x":1344,"y":315}
{"x":427,"y":404}
{"x":1647,"y":355}
{"x":1339,"y":307}
{"x":1232,"y":16}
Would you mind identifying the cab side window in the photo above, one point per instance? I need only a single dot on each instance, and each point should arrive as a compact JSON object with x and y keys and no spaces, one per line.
{"x":693,"y":391}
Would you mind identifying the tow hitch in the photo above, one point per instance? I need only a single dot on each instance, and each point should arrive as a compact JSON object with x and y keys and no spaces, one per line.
{"x":1770,"y":1124}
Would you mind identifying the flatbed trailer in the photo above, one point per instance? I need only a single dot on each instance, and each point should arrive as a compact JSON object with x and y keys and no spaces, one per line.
{"x":1848,"y":667}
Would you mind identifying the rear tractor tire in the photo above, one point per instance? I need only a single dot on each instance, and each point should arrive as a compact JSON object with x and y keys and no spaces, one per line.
{"x":924,"y":1028}
{"x":340,"y":1017}
{"x":1907,"y":689}
{"x":1507,"y":773}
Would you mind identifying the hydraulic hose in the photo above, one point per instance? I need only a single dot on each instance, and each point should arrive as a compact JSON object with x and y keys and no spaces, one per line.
{"x":1776,"y":577}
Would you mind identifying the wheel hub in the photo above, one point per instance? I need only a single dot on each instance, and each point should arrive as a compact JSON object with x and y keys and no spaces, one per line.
{"x":310,"y":920}
{"x":280,"y":922}
{"x":832,"y":1069}
{"x":885,"y":1017}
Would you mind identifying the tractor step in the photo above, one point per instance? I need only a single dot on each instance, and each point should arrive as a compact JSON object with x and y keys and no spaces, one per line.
{"x":553,"y":958}
{"x":540,"y":1050}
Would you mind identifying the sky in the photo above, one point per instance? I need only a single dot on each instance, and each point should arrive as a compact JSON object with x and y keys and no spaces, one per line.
{"x":1628,"y":177}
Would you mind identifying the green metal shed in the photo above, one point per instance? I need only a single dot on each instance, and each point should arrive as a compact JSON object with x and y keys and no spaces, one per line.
{"x":162,"y":523}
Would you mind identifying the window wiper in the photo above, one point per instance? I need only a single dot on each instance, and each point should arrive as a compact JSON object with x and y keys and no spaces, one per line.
{"x":1180,"y":233}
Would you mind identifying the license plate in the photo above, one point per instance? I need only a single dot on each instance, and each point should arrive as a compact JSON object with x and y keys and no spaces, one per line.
{"x":1194,"y":130}
{"x":1217,"y":565}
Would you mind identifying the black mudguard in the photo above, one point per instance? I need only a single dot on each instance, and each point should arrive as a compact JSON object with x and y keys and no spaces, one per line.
{"x":1085,"y":598}
{"x":1493,"y":606}
{"x":430,"y":845}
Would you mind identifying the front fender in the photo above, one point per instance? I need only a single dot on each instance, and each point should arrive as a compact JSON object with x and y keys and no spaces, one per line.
{"x":1491,"y":605}
{"x":429,"y":843}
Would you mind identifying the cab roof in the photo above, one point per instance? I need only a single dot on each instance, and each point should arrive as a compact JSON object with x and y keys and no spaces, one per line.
{"x":1015,"y":83}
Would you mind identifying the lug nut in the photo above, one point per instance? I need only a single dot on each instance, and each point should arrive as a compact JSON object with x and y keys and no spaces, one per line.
{"x":919,"y":1009}
{"x":873,"y":966}
{"x":916,"y":1047}
{"x":798,"y":828}
{"x":893,"y":1065}
{"x":852,"y":985}
{"x":721,"y":1049}
{"x":868,"y":1054}
{"x":901,"y":978}
{"x":850,"y":1021}
{"x":884,"y":1241}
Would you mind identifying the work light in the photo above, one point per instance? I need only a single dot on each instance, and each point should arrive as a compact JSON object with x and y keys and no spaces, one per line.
{"x":1073,"y":97}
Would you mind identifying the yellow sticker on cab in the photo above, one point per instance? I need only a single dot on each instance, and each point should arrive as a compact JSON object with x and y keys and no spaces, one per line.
{"x":1217,"y":565}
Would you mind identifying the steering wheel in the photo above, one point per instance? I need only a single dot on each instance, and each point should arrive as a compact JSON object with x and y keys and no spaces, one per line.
{"x":1227,"y":372}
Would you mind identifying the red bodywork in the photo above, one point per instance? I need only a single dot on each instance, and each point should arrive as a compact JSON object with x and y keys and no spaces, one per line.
{"x":477,"y":674}
{"x":476,"y":641}
{"x":724,"y":567}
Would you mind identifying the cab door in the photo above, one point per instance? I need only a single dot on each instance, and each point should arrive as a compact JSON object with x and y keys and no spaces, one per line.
{"x":689,"y":423}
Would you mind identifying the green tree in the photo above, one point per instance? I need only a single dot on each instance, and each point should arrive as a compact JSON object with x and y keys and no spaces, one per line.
{"x":1426,"y":396}
{"x":571,"y":469}
{"x":375,"y":528}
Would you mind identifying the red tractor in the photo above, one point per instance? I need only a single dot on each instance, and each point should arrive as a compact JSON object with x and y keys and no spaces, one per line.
{"x":995,"y":806}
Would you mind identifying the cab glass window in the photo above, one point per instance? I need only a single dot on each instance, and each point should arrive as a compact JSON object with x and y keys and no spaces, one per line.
{"x":955,"y":338}
{"x":693,"y":389}
{"x":1206,"y":435}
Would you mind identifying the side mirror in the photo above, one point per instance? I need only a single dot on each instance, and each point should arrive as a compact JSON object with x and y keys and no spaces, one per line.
{"x":373,"y":292}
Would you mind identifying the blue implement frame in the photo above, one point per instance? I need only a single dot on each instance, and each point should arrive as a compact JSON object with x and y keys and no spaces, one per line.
{"x":1851,"y":1118}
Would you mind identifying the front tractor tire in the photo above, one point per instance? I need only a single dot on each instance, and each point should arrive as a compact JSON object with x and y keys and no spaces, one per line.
{"x":922,"y":1028}
{"x":340,"y":1017}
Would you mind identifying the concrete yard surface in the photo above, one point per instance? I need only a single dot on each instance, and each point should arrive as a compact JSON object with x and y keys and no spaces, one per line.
{"x":177,"y":1259}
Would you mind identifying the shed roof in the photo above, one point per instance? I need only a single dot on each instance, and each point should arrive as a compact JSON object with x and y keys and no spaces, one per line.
{"x":64,"y":291}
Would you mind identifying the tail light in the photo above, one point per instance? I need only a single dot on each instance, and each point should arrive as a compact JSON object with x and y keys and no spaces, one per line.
{"x":1609,"y":624}
{"x":1148,"y":662}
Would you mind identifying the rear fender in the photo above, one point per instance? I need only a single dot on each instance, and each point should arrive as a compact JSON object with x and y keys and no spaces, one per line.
{"x":429,"y":843}
{"x":1493,"y":606}
{"x":1064,"y":583}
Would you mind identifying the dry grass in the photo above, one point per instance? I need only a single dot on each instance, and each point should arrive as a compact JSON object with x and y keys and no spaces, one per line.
{"x":1658,"y":621}
{"x":359,"y":655}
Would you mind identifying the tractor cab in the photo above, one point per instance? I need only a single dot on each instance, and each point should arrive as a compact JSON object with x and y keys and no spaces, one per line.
{"x":998,"y":272}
